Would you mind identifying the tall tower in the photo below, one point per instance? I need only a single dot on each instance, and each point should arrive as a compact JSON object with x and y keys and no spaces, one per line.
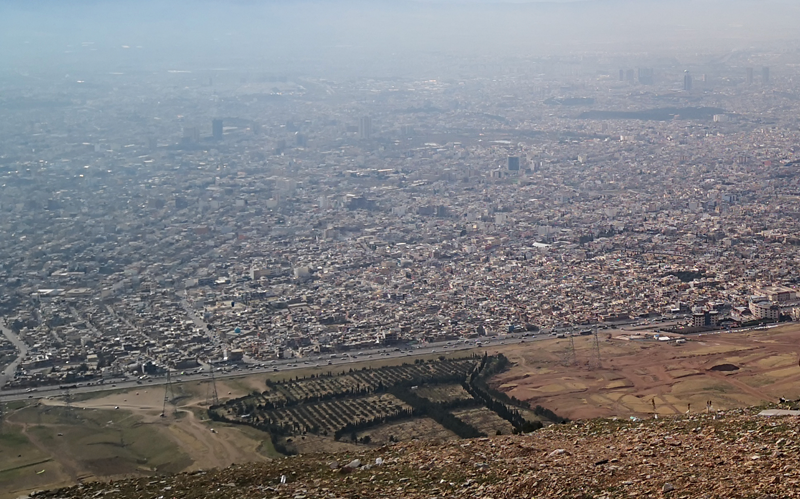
{"x":365,"y":128}
{"x":190,"y":135}
{"x":765,"y":75}
{"x":169,"y":390}
{"x":687,"y":81}
{"x":513,"y":163}
{"x":216,"y":129}
{"x":211,"y":397}
{"x":749,"y":76}
{"x":569,"y":358}
{"x":645,"y":76}
{"x":629,"y":75}
{"x":595,"y":362}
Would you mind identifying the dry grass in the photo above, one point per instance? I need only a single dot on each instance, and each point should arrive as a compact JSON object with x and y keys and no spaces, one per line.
{"x":633,"y":373}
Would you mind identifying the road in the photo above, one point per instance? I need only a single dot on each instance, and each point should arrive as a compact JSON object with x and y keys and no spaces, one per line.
{"x":287,"y":365}
{"x":9,"y":371}
{"x":320,"y":361}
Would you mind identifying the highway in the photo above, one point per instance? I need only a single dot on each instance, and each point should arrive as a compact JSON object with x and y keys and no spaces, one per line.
{"x":334,"y":363}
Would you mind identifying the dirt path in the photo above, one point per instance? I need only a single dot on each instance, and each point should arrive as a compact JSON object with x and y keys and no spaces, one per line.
{"x":209,"y":449}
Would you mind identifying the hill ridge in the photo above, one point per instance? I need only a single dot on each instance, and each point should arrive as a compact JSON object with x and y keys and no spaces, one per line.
{"x":735,"y":453}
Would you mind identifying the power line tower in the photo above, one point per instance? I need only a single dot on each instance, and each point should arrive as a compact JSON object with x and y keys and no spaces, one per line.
{"x":1,"y":418}
{"x":68,"y":403}
{"x":169,"y":395}
{"x":212,"y":398}
{"x":569,"y":355}
{"x":595,"y":362}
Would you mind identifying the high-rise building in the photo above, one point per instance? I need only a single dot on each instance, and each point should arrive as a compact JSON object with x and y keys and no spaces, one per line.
{"x":629,"y":75}
{"x":365,"y":127}
{"x":513,"y":163}
{"x":621,"y":75}
{"x":645,"y":76}
{"x":216,"y":129}
{"x":765,"y":75}
{"x":749,"y":76}
{"x":687,"y":81}
{"x":190,"y":134}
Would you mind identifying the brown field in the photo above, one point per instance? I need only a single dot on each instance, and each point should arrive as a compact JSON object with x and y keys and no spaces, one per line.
{"x":634,"y":374}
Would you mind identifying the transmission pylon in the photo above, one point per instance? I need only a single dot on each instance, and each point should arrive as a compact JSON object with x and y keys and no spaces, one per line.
{"x":569,"y":355}
{"x":595,"y":363}
{"x":213,"y":398}
{"x":68,"y":403}
{"x":168,"y":390}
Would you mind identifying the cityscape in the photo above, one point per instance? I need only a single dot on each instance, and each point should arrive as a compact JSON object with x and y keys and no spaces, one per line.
{"x":187,"y":218}
{"x":418,"y":249}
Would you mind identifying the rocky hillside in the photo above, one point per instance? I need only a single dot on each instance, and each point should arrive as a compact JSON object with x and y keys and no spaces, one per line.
{"x":733,"y":454}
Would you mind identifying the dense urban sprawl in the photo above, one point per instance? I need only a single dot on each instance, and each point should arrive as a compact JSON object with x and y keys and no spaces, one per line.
{"x":182,"y":218}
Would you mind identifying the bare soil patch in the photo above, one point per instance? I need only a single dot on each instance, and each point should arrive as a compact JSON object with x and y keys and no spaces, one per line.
{"x":640,"y":378}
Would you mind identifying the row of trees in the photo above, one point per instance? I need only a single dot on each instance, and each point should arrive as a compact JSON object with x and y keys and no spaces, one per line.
{"x":400,"y":383}
{"x":511,"y":415}
{"x":407,"y":375}
{"x":477,"y":385}
{"x":439,"y":412}
{"x":362,"y":424}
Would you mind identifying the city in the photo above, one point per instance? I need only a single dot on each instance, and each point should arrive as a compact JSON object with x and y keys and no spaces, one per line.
{"x":256,"y":217}
{"x":415,"y":249}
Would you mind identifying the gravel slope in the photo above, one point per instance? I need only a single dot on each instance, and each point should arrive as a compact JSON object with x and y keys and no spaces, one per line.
{"x":733,"y":454}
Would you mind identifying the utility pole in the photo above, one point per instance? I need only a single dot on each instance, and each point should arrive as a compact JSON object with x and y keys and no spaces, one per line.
{"x":167,"y":391}
{"x":596,"y":362}
{"x":214,"y":398}
{"x":569,"y":355}
{"x":68,"y":403}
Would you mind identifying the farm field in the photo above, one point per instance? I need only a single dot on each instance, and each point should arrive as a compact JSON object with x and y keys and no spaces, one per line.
{"x":635,"y":374}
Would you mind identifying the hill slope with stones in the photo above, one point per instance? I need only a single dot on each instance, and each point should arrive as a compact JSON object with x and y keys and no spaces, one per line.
{"x":734,"y":454}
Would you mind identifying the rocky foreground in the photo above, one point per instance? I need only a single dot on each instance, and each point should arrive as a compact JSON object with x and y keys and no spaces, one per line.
{"x":733,"y":454}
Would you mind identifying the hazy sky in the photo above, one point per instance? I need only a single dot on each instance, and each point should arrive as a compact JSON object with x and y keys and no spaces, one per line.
{"x":40,"y":34}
